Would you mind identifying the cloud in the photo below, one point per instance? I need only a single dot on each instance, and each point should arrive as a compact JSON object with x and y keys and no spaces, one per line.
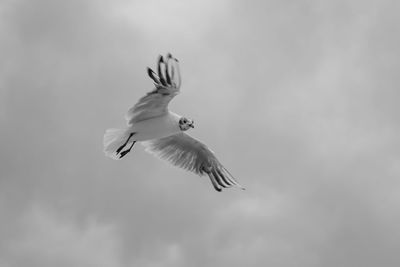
{"x":46,"y":240}
{"x":300,"y":107}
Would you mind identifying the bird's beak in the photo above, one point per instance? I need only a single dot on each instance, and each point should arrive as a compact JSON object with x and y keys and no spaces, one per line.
{"x":192,"y":124}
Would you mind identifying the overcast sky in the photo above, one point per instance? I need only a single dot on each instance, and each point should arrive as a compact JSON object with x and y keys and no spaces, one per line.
{"x":298,"y":99}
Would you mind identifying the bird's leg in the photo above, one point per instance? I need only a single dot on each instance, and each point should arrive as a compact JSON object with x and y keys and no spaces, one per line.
{"x":121,"y":147}
{"x":123,"y":153}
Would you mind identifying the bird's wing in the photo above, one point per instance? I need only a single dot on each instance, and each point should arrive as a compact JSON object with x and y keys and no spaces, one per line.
{"x":188,"y":153}
{"x":155,"y":103}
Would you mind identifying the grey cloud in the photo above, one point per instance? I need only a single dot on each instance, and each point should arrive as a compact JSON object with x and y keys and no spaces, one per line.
{"x":300,"y":106}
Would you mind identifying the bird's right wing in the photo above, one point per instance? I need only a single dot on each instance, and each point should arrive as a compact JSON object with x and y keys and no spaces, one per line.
{"x":155,"y":103}
{"x":188,"y":153}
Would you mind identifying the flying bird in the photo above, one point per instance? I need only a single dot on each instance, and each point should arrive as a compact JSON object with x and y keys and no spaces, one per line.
{"x":162,"y":132}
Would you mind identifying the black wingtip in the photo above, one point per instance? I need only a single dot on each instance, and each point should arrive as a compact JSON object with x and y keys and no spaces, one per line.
{"x":220,"y":179}
{"x":163,"y":82}
{"x":150,"y":72}
{"x":167,"y":74}
{"x":160,"y":74}
{"x":214,"y":182}
{"x":153,"y":75}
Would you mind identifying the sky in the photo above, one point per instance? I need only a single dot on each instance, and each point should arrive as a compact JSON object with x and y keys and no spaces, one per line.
{"x":298,"y":99}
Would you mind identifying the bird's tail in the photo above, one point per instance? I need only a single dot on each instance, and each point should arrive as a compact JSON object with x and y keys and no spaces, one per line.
{"x":115,"y":140}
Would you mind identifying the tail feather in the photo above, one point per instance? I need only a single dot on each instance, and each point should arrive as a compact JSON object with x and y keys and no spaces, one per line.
{"x":113,"y":139}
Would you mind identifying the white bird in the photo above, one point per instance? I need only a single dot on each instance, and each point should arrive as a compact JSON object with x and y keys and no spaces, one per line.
{"x":162,"y":131}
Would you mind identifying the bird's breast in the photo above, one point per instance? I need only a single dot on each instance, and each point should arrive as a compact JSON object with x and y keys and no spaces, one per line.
{"x":156,"y":128}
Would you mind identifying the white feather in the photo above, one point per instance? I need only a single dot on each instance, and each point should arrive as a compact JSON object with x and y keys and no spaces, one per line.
{"x":192,"y":155}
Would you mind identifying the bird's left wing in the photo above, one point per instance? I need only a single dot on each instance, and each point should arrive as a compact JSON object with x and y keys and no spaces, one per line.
{"x":155,"y":103}
{"x":188,"y":153}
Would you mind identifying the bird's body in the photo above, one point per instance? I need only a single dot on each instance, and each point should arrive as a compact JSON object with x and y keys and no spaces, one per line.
{"x":162,"y":132}
{"x":155,"y":128}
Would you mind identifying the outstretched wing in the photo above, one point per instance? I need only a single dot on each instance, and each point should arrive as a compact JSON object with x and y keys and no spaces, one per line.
{"x":155,"y":103}
{"x":190,"y":154}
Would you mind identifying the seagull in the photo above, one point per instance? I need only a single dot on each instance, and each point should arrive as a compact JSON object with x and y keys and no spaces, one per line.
{"x":162,"y":132}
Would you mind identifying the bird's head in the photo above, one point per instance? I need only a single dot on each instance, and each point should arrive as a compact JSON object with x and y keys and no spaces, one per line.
{"x":185,"y":124}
